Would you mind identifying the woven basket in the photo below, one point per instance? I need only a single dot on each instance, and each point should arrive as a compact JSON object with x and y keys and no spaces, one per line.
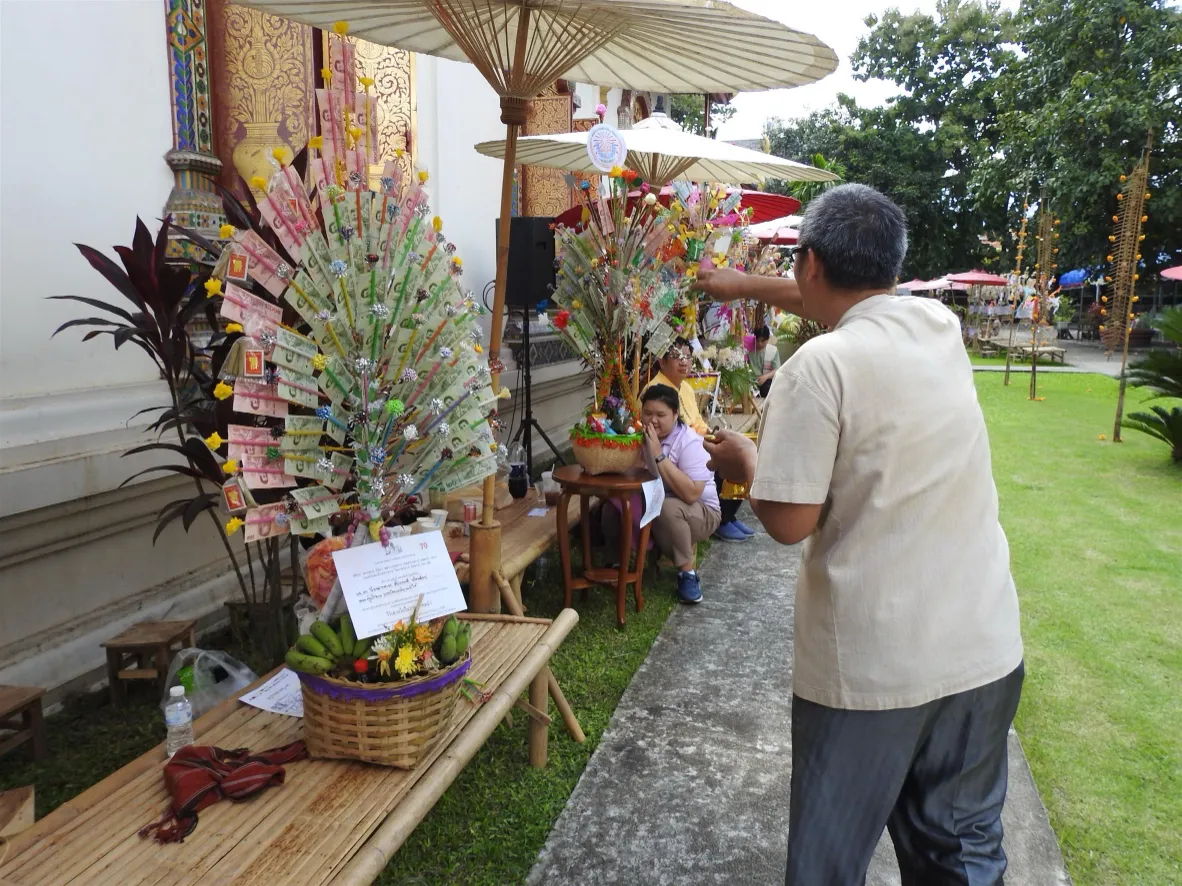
{"x":597,"y":457}
{"x":394,"y":724}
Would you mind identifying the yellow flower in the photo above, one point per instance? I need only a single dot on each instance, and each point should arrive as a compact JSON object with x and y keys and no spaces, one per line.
{"x":230,"y":466}
{"x":423,"y":635}
{"x":616,"y":172}
{"x":367,"y":82}
{"x":437,"y":224}
{"x":319,"y":362}
{"x":355,"y":133}
{"x":423,"y":176}
{"x":477,"y":348}
{"x":407,"y":662}
{"x":1102,"y":437}
{"x":400,"y":626}
{"x":384,"y":661}
{"x":212,"y":288}
{"x":258,"y":182}
{"x":576,"y":304}
{"x":226,"y":231}
{"x":233,"y":327}
{"x":280,"y":155}
{"x":340,"y":28}
{"x":222,"y":390}
{"x":233,"y":525}
{"x":457,"y":261}
{"x":316,"y":141}
{"x":214,"y":441}
{"x":326,"y":73}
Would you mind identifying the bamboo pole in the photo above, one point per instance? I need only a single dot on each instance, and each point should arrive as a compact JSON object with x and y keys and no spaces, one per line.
{"x":539,"y":729}
{"x":373,"y":855}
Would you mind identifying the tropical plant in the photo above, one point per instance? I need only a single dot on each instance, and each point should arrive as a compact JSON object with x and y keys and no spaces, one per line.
{"x":164,"y":299}
{"x":1160,"y":370}
{"x":807,"y":191}
{"x":1164,"y":424}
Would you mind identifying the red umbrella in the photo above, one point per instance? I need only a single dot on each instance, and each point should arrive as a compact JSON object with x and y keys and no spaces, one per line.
{"x":1174,"y":273}
{"x":766,"y":206}
{"x":916,"y":285}
{"x":977,"y":278}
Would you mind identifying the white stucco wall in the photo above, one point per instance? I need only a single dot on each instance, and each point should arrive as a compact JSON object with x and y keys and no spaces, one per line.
{"x":84,"y":90}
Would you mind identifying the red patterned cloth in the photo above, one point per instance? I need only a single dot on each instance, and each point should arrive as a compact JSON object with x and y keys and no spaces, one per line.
{"x":199,"y":776}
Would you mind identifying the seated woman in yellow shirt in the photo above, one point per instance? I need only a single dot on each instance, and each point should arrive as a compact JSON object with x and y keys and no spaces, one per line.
{"x":674,"y":367}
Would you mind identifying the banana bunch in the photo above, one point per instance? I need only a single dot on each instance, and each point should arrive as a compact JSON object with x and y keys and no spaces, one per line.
{"x":324,"y":648}
{"x":453,"y":641}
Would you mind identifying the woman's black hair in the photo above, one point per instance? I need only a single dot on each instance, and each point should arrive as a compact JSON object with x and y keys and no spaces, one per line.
{"x":763,"y":332}
{"x":666,"y":395}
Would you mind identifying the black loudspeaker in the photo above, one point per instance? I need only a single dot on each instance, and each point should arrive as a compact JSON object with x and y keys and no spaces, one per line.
{"x":531,"y":274}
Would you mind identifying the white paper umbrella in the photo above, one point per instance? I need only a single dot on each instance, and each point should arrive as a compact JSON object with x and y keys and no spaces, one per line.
{"x":784,"y":229}
{"x":661,"y":155}
{"x":523,"y":46}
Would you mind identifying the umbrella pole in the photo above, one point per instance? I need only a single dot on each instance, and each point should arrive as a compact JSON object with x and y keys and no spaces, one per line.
{"x":485,"y":551}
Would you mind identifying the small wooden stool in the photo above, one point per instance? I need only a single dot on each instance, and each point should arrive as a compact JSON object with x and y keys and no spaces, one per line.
{"x":150,"y":644}
{"x":25,"y":701}
{"x":622,"y":487}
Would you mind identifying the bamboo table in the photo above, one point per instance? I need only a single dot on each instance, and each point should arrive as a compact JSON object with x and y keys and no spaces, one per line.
{"x":619,"y":486}
{"x":333,"y":821}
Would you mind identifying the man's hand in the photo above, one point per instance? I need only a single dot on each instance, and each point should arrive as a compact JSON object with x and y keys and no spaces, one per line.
{"x":721,"y":284}
{"x":732,"y":455}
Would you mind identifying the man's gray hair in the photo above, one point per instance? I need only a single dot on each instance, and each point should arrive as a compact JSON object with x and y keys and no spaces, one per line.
{"x":859,"y":235}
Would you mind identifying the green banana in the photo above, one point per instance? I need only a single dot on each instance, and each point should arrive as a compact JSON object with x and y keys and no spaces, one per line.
{"x":463,"y":638}
{"x":447,"y":651}
{"x":450,"y":627}
{"x":308,"y":664}
{"x":348,"y":637}
{"x":309,"y":644}
{"x":362,"y":648}
{"x":326,"y":635}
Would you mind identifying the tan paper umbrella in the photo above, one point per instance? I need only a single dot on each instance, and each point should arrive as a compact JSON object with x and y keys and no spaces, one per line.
{"x":661,"y":155}
{"x":522,"y":46}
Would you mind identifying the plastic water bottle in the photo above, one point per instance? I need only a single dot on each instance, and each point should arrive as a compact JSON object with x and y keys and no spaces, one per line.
{"x":178,"y":717}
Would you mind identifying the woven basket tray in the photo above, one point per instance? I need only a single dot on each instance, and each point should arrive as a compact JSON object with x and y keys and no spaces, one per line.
{"x":394,"y":724}
{"x":598,"y":458}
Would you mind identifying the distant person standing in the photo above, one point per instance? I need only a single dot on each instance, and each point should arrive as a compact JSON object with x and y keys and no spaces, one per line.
{"x":908,"y":657}
{"x":764,"y":360}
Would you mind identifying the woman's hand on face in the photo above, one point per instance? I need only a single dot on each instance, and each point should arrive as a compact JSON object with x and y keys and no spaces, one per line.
{"x":651,"y":440}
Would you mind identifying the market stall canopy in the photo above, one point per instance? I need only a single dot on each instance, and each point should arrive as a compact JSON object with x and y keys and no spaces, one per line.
{"x":915,"y":285}
{"x":785,"y":230}
{"x":662,"y":155}
{"x":977,"y":278}
{"x":656,"y":45}
{"x":763,"y":204}
{"x":1174,"y":273}
{"x":942,"y":283}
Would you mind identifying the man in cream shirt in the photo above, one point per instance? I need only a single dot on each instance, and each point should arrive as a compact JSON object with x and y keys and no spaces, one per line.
{"x":908,"y":656}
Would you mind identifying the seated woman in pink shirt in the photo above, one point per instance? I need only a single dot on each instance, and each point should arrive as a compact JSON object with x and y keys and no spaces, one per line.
{"x":691,"y":510}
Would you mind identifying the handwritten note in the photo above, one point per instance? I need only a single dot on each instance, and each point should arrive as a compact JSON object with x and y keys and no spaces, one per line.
{"x":382,"y":583}
{"x":279,"y":695}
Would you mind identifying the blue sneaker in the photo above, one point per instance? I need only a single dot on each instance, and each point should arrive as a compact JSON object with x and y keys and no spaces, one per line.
{"x":689,"y":587}
{"x":730,"y":532}
{"x":743,"y":528}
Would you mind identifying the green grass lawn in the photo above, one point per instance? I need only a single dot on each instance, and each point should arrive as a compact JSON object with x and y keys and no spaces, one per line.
{"x":1095,"y":532}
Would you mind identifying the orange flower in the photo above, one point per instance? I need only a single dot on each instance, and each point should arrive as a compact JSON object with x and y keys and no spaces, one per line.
{"x":423,"y":635}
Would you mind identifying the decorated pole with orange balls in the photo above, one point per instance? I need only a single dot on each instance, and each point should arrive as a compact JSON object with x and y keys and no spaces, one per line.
{"x":1126,"y":253}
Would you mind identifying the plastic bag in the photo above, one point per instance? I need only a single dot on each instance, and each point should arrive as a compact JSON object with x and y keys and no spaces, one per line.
{"x":209,"y":677}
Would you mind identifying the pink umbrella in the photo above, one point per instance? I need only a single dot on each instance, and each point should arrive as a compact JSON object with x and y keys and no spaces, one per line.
{"x":1174,"y":273}
{"x":978,"y":278}
{"x":915,"y":285}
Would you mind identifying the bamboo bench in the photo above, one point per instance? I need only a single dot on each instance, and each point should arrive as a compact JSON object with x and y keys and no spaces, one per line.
{"x":523,"y":540}
{"x":333,"y":821}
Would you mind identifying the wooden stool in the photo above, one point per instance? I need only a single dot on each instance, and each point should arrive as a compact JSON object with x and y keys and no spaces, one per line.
{"x":150,"y":644}
{"x":618,"y":486}
{"x":25,"y":701}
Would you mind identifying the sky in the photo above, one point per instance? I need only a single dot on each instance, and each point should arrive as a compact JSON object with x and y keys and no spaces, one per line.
{"x":838,"y":23}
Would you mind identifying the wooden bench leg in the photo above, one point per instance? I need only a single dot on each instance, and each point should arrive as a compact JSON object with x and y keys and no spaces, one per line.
{"x":35,"y":723}
{"x":115,"y":685}
{"x":564,"y":708}
{"x":538,"y":729}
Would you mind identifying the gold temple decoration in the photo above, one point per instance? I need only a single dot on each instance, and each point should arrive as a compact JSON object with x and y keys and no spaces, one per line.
{"x":1044,"y":269}
{"x":544,"y":191}
{"x":393,"y":73}
{"x":1122,"y":278}
{"x":1016,"y":290}
{"x":263,"y":78}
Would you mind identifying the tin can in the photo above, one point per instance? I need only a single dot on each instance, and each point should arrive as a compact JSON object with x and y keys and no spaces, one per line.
{"x":469,"y":515}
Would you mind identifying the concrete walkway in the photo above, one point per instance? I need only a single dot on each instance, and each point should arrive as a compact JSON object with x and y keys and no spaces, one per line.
{"x":1081,"y":356}
{"x":690,"y":784}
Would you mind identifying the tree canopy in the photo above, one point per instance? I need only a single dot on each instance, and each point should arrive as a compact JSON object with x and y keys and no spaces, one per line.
{"x":993,"y":106}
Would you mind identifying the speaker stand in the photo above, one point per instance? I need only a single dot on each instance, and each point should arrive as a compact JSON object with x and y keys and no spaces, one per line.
{"x":528,"y":423}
